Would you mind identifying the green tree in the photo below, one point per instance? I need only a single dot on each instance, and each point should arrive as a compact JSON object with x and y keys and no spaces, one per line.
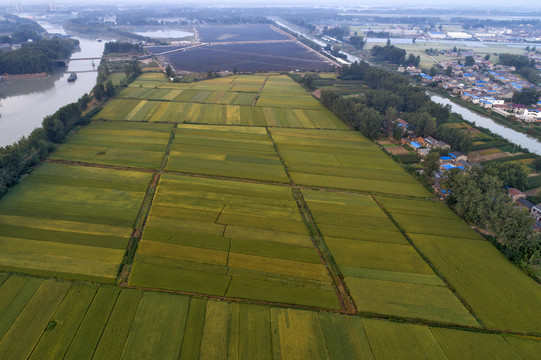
{"x":308,"y":81}
{"x":109,"y":89}
{"x":526,"y":96}
{"x":169,"y":72}
{"x":431,"y":163}
{"x":470,"y":61}
{"x":369,"y":122}
{"x":449,"y":71}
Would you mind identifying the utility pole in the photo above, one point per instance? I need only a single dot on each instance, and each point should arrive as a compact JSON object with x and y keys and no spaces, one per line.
{"x":51,"y":4}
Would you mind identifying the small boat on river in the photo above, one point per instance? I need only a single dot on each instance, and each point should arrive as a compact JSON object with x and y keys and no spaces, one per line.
{"x":72,"y":77}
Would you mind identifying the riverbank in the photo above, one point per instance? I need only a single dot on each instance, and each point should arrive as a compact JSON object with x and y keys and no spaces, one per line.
{"x":8,"y":77}
{"x":533,"y":130}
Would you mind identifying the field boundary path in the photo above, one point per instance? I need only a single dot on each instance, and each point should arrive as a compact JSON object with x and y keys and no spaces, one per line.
{"x":257,"y":98}
{"x":430,"y":264}
{"x":342,"y":291}
{"x":142,"y":217}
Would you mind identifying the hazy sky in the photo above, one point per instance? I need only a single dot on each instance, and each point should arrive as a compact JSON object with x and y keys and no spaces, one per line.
{"x":524,"y":5}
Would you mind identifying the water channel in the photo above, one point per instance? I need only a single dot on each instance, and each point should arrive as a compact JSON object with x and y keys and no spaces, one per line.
{"x":515,"y":137}
{"x":24,"y":103}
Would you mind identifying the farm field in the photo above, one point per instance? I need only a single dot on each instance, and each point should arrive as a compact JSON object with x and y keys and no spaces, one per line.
{"x":227,"y":258}
{"x":48,"y":319}
{"x":70,"y":221}
{"x":248,"y":57}
{"x":233,"y":151}
{"x":139,"y":145}
{"x":342,"y":160}
{"x":501,"y":296}
{"x":222,"y":101}
{"x":384,"y":273}
{"x":217,"y":114}
{"x":256,"y":32}
{"x":233,"y":239}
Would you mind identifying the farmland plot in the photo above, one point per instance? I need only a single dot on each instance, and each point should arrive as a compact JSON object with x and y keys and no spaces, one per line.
{"x":384,"y":273}
{"x":500,"y":294}
{"x":48,"y":319}
{"x":230,"y":239}
{"x":118,"y":143}
{"x":70,"y":221}
{"x":248,"y":57}
{"x":343,"y":160}
{"x":241,"y":152}
{"x":256,"y":32}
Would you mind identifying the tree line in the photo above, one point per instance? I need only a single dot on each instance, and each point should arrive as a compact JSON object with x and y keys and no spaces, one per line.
{"x":525,"y":67}
{"x":36,"y":57}
{"x":19,"y":158}
{"x":390,"y":95}
{"x":122,"y":47}
{"x":395,"y":55}
{"x":479,"y":196}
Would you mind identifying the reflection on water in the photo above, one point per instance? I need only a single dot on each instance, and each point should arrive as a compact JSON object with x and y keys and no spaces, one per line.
{"x":24,"y":103}
{"x":515,"y":137}
{"x":165,"y":33}
{"x":29,"y":86}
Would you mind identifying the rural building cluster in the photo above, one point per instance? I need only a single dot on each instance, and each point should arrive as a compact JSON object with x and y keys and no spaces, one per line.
{"x":485,"y":84}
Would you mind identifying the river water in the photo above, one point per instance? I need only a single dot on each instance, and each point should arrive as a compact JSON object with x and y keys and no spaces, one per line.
{"x":515,"y":137}
{"x":24,"y":103}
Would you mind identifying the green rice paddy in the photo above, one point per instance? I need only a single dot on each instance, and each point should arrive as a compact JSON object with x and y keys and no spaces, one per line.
{"x":267,"y":211}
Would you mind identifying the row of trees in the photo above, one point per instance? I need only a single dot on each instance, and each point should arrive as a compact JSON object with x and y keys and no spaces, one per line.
{"x":36,"y":57}
{"x":122,"y":47}
{"x":525,"y":66}
{"x":389,"y":96}
{"x":17,"y":159}
{"x":478,"y":196}
{"x":526,"y":96}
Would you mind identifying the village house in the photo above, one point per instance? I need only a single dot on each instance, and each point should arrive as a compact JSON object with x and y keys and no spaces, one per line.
{"x":535,"y":212}
{"x":515,"y":194}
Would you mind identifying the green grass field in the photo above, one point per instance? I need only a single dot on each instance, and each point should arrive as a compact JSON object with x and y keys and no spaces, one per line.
{"x":384,"y":274}
{"x":476,"y":269}
{"x":231,"y":239}
{"x":48,"y":319}
{"x":70,"y":221}
{"x":233,"y":151}
{"x":138,"y":145}
{"x":226,"y":268}
{"x":342,"y":160}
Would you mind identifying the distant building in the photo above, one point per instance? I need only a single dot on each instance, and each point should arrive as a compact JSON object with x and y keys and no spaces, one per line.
{"x":437,"y":35}
{"x":459,"y":35}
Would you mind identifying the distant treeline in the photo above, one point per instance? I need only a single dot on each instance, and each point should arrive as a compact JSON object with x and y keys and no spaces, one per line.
{"x":36,"y":57}
{"x":122,"y":47}
{"x":300,"y":22}
{"x":525,"y":67}
{"x":336,"y":32}
{"x":395,"y":55}
{"x":20,"y":29}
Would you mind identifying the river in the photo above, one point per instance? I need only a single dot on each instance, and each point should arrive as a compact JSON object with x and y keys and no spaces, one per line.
{"x":24,"y":103}
{"x":515,"y":137}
